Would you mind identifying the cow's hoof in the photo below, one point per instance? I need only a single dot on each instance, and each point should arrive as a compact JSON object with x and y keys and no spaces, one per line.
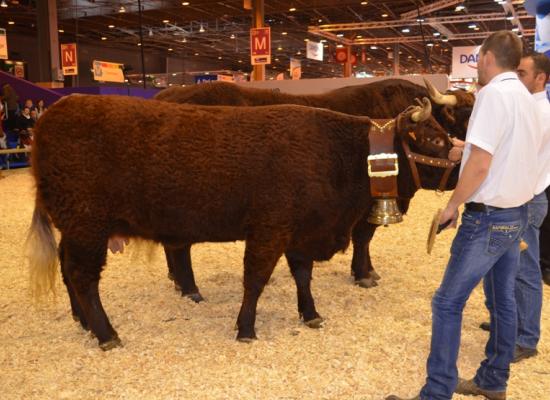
{"x":246,"y":338}
{"x":177,"y":287}
{"x":110,"y":344}
{"x":170,"y":276}
{"x":366,"y":283}
{"x":196,"y":297}
{"x":76,"y":318}
{"x":374,"y":275}
{"x":315,"y":323}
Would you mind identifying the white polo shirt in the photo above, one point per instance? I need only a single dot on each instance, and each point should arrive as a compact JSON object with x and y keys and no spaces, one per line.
{"x":505,"y":123}
{"x":543,"y":106}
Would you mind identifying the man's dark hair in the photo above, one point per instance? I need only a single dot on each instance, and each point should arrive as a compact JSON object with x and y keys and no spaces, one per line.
{"x":541,"y":64}
{"x":506,"y":47}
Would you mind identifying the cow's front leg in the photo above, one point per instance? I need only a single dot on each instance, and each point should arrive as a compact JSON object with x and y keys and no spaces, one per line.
{"x":260,"y":257}
{"x":361,"y":265}
{"x":181,"y":271}
{"x":301,"y":269}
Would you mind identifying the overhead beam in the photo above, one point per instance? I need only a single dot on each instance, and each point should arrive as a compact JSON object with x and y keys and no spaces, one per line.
{"x":438,"y":5}
{"x":454,"y":19}
{"x":413,"y":39}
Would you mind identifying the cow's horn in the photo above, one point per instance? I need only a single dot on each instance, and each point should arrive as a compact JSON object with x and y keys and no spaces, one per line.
{"x":423,"y":112}
{"x":438,"y":97}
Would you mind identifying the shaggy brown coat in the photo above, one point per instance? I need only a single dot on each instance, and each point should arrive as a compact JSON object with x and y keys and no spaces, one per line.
{"x":287,"y":179}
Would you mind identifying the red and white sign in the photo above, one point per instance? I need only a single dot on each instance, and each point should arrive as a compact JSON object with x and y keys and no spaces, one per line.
{"x":260,"y":46}
{"x":68,"y":59}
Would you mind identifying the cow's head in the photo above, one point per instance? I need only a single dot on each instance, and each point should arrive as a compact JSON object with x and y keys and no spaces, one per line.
{"x":418,"y":130}
{"x":452,"y":110}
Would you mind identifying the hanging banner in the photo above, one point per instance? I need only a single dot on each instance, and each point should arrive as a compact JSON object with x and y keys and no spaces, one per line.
{"x":260,"y":46}
{"x":465,"y":61}
{"x":295,"y":68}
{"x":108,"y":72}
{"x":69,"y":62}
{"x":3,"y":45}
{"x":315,"y":50}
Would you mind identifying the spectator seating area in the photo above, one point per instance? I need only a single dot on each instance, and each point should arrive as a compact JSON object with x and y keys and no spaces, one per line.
{"x":13,"y":157}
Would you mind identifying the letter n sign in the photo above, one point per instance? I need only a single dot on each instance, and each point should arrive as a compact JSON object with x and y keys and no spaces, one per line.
{"x":260,"y":46}
{"x":68,"y":59}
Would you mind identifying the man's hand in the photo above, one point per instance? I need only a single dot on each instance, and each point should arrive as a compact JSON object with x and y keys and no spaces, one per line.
{"x":455,"y":154}
{"x":449,"y":213}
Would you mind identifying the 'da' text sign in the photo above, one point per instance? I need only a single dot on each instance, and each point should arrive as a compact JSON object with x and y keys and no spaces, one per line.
{"x":465,"y":61}
{"x":260,"y":46}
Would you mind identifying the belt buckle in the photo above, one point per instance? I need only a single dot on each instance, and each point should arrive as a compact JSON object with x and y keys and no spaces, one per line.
{"x":383,"y":156}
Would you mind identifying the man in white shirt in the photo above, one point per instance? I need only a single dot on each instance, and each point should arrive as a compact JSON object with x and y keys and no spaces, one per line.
{"x":534,"y":71}
{"x":498,"y":176}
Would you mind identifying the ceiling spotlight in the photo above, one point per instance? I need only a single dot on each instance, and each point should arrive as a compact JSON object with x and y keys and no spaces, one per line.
{"x":185,"y":3}
{"x":121,"y":9}
{"x":436,"y":34}
{"x":509,"y":16}
{"x":460,"y":7}
{"x":103,"y":38}
{"x":184,"y":40}
{"x":515,"y":29}
{"x":374,"y":47}
{"x":111,"y":26}
{"x":150,"y":32}
{"x":165,"y":21}
{"x":384,"y":15}
{"x":284,"y":33}
{"x":61,"y":31}
{"x":340,"y":35}
{"x":170,"y":49}
{"x":420,"y":19}
{"x":201,"y":29}
{"x":3,"y":4}
{"x":292,"y":9}
{"x":472,"y":26}
{"x":364,"y":3}
{"x":405,"y":30}
{"x":444,"y":39}
{"x":430,"y":44}
{"x":139,"y":44}
{"x":232,"y":36}
{"x":11,"y":23}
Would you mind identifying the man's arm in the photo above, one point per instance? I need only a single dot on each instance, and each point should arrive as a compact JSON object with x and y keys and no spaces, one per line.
{"x":474,"y":173}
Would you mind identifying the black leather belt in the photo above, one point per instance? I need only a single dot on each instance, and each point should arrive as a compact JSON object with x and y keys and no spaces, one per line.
{"x":480,"y":207}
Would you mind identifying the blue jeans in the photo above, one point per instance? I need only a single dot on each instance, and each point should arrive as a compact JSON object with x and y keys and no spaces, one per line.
{"x":529,"y":279}
{"x":486,"y":245}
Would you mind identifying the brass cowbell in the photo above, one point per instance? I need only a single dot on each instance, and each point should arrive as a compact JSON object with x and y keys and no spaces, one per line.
{"x":384,"y":212}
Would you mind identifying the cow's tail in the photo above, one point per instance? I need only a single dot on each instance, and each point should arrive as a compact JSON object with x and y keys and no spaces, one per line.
{"x":41,"y":249}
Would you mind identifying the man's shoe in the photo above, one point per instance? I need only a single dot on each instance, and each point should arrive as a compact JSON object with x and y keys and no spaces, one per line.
{"x":486,"y":326}
{"x":521,"y":353}
{"x":394,"y":397}
{"x":546,"y":276}
{"x":469,"y":388}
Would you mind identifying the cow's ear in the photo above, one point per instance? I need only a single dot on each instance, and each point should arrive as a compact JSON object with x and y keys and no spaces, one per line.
{"x":412,"y":135}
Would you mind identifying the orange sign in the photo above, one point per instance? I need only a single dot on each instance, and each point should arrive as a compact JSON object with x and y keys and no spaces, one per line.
{"x":69,"y":61}
{"x":260,"y":46}
{"x":342,"y":56}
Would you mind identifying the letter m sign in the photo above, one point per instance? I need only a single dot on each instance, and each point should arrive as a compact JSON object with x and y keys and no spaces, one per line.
{"x":260,"y":46}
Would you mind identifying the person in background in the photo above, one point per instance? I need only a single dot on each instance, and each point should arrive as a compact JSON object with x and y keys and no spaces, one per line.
{"x":533,"y":72}
{"x":12,"y":106}
{"x":40,"y":108}
{"x":29,"y":104}
{"x":498,"y":177}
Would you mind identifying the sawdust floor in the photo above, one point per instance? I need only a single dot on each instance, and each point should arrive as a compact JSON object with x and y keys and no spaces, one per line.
{"x":375,"y":341}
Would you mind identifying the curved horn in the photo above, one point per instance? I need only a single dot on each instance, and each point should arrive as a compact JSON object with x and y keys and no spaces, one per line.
{"x":423,"y":112}
{"x":438,"y":97}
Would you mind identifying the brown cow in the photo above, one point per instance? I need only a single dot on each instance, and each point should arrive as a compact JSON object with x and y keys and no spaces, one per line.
{"x":382,"y":99}
{"x":287,"y":179}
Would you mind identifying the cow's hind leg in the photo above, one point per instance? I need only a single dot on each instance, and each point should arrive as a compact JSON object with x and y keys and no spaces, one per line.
{"x":301,"y":269}
{"x":260,"y":258}
{"x":361,"y":264}
{"x":181,"y":271}
{"x":83,"y":262}
{"x":76,"y":311}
